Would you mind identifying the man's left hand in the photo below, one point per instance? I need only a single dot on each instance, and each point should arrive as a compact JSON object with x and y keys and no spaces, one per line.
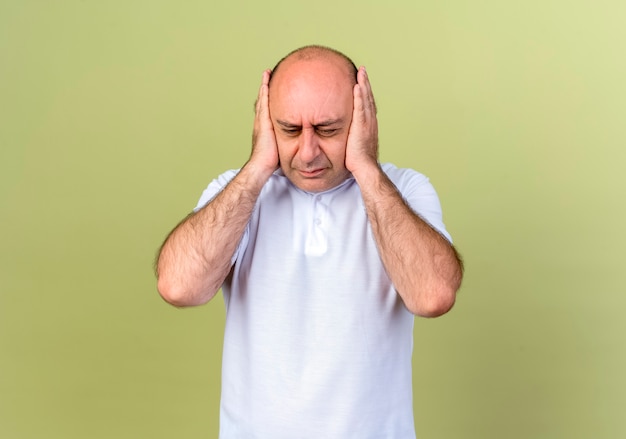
{"x":362,"y":146}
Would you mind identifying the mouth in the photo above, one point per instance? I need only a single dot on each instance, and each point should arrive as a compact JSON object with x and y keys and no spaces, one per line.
{"x":312,"y":173}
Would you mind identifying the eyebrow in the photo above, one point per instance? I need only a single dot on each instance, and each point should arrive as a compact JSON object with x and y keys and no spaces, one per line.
{"x":325,"y":123}
{"x":287,"y":125}
{"x":328,"y":123}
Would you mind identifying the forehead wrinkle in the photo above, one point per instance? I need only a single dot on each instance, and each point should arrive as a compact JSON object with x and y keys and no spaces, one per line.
{"x":309,"y":115}
{"x":329,"y":95}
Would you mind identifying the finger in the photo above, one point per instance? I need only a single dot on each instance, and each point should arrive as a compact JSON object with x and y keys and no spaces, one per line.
{"x":263,"y":91}
{"x":267,"y":74}
{"x":264,"y":105}
{"x":363,"y":110}
{"x":358,"y":115}
{"x":367,"y":89}
{"x":260,"y":106}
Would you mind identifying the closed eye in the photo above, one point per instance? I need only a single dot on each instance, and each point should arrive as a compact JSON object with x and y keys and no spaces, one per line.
{"x":329,"y":128}
{"x":327,"y":132}
{"x":291,"y":131}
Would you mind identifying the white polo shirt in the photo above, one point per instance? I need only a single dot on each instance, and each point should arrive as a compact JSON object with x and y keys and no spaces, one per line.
{"x":317,"y":342}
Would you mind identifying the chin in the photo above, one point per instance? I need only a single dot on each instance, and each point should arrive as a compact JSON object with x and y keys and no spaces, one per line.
{"x":322,"y":182}
{"x":316,"y":185}
{"x":313,"y":187}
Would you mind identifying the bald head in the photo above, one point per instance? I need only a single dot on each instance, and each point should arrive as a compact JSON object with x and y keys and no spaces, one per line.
{"x":316,"y":52}
{"x":317,"y":71}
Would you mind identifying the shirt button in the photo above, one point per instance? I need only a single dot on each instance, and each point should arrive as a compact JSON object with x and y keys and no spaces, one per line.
{"x":318,"y":221}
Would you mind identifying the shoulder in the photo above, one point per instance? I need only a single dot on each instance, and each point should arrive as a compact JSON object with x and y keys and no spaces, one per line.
{"x":419,"y":193}
{"x":404,"y":178}
{"x":225,"y":177}
{"x":215,"y":187}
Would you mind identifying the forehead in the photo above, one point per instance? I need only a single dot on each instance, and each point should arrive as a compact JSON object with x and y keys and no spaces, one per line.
{"x":319,"y":87}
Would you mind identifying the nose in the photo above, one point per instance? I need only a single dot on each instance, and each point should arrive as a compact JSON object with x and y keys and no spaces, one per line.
{"x":309,"y":148}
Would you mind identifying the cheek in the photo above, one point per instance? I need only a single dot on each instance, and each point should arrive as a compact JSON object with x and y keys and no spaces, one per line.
{"x":286,"y":149}
{"x":336,"y":150}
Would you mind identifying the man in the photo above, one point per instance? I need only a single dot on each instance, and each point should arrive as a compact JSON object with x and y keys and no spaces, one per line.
{"x":324,"y":256}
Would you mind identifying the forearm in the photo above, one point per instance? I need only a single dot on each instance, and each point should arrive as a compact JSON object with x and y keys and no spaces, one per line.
{"x":196,"y":257}
{"x":423,"y":266}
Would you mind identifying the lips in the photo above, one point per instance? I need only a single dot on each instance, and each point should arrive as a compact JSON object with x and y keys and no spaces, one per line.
{"x":311,"y":173}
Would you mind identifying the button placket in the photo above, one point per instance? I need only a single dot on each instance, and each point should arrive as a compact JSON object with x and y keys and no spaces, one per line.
{"x":317,"y":241}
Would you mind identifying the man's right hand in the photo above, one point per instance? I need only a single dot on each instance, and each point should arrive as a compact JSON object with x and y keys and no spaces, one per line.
{"x":264,"y":148}
{"x":197,"y":255}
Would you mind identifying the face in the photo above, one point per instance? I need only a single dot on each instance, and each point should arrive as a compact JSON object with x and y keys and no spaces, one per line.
{"x":311,"y":104}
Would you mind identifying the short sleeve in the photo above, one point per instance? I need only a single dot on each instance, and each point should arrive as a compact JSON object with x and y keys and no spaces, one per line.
{"x":419,"y":194}
{"x":214,"y":188}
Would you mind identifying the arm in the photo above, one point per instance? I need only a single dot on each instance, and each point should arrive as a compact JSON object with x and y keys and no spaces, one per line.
{"x":196,"y":257}
{"x":423,"y":266}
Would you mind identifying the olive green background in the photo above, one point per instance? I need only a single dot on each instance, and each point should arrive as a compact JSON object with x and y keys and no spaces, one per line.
{"x":114,"y":116}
